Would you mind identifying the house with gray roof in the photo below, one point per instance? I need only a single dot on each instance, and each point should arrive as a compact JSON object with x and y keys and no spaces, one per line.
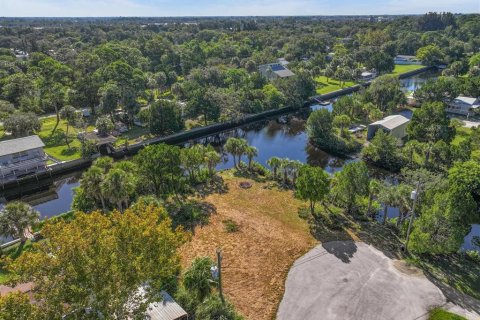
{"x":463,"y":105}
{"x":20,"y":157}
{"x":395,"y":125}
{"x":163,"y":306}
{"x":166,"y":309}
{"x":274,"y":71}
{"x":407,"y":60}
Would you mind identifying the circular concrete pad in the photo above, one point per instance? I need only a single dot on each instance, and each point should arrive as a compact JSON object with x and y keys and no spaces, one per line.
{"x":352,"y":280}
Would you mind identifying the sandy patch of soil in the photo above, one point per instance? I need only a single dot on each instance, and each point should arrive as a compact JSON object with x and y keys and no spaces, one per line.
{"x":257,"y":257}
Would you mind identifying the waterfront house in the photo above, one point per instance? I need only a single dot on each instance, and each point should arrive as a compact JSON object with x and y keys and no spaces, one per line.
{"x":20,"y":157}
{"x":274,"y":71}
{"x":404,"y":59}
{"x":395,"y":125}
{"x":368,"y":75}
{"x":463,"y":105}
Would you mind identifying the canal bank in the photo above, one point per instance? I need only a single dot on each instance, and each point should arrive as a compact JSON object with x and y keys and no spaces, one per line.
{"x":271,"y":137}
{"x":278,"y":135}
{"x":282,"y":136}
{"x":62,"y":168}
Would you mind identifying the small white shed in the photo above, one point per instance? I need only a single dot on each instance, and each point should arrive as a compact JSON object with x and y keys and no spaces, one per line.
{"x":395,"y":125}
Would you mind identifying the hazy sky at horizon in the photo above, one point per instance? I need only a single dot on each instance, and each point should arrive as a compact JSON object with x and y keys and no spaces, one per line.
{"x":104,"y":8}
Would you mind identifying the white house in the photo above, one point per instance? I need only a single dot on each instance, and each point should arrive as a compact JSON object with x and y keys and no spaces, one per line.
{"x":463,"y":105}
{"x":22,"y":156}
{"x":368,"y":75}
{"x":404,"y":59}
{"x":274,"y":71}
{"x":395,"y":125}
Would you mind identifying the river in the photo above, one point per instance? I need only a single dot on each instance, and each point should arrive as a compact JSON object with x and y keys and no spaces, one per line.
{"x":284,"y":137}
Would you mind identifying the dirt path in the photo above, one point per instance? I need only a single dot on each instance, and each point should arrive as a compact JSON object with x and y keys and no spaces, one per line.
{"x":257,"y":257}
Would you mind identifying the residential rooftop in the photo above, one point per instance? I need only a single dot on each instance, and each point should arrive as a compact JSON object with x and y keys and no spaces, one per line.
{"x":466,"y":100}
{"x":20,"y":144}
{"x":391,"y":122}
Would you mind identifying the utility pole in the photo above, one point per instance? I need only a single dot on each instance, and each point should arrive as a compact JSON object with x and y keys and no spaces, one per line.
{"x":414,"y":197}
{"x":219,"y":266}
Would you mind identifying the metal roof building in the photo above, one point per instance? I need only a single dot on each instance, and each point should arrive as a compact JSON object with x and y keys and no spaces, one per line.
{"x":167,"y":309}
{"x":274,"y":71}
{"x":395,"y":125}
{"x":19,"y":145}
{"x":463,"y":105}
{"x":20,"y":157}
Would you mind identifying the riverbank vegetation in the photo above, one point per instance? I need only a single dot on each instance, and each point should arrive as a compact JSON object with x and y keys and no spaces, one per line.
{"x":201,"y":201}
{"x":162,"y":78}
{"x":184,"y":75}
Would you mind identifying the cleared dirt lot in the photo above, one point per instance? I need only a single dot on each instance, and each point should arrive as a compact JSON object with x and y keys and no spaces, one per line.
{"x":257,"y":257}
{"x":353,"y":280}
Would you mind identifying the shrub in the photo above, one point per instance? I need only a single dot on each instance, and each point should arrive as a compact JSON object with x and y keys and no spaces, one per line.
{"x":473,"y":255}
{"x":230,"y":226}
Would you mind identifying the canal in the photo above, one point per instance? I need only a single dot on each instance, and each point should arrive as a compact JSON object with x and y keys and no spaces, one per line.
{"x":283,"y":137}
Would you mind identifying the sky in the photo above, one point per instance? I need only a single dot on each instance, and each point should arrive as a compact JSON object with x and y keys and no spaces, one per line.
{"x":162,"y":8}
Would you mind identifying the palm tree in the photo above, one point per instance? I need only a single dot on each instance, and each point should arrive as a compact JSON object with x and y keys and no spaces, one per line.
{"x":91,"y":181}
{"x":341,"y":121}
{"x":212,"y":158}
{"x":251,"y":152}
{"x":197,"y":278}
{"x":68,"y":113}
{"x":387,"y":197}
{"x":236,"y":147}
{"x":295,"y":166}
{"x":231,"y":147}
{"x":16,"y":218}
{"x":118,"y":186}
{"x":328,"y":72}
{"x":410,"y":148}
{"x":402,"y":201}
{"x":374,"y":188}
{"x":274,"y":163}
{"x":285,"y":166}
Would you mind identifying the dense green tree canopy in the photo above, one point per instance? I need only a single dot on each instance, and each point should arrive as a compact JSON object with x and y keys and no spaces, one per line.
{"x":431,"y":124}
{"x":107,"y":259}
{"x":312,"y":185}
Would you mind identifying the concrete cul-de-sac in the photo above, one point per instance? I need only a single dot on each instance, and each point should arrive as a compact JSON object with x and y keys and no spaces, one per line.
{"x":342,"y":280}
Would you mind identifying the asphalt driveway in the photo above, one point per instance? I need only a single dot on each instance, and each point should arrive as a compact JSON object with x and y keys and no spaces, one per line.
{"x":352,"y":280}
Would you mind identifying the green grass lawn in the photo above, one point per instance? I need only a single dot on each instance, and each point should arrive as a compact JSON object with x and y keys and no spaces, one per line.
{"x":55,"y":144}
{"x":402,"y":68}
{"x":324,"y":86}
{"x":461,"y":135}
{"x":135,"y":134}
{"x":440,"y":314}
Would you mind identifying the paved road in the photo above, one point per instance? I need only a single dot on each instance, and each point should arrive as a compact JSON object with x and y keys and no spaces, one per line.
{"x":352,"y":280}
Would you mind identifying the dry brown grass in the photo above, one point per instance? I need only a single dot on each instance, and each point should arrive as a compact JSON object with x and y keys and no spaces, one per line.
{"x":257,"y":257}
